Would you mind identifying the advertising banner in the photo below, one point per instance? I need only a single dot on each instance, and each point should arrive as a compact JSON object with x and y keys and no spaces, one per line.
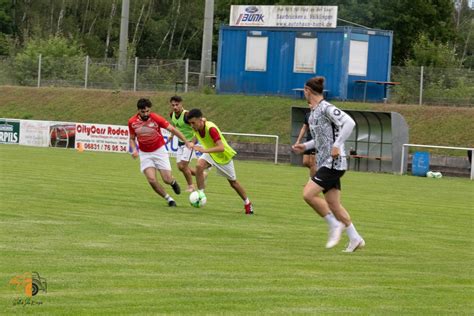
{"x":101,"y":137}
{"x":34,"y":133}
{"x":172,"y":144}
{"x":9,"y":131}
{"x":283,"y":16}
{"x":62,"y":134}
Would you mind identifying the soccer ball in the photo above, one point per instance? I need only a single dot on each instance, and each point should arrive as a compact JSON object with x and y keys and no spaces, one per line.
{"x":197,"y":199}
{"x":430,"y":174}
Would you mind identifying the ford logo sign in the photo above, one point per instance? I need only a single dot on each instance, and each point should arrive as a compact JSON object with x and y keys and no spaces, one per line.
{"x":251,"y":10}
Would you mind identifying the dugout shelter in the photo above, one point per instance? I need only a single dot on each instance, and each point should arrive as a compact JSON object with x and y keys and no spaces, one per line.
{"x":375,"y":143}
{"x":355,"y":61}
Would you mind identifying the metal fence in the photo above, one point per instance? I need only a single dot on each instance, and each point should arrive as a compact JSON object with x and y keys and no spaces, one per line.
{"x":433,"y":86}
{"x":418,"y":85}
{"x":86,"y":72}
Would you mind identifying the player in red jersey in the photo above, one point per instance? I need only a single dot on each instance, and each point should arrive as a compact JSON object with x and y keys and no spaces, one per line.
{"x":145,"y":127}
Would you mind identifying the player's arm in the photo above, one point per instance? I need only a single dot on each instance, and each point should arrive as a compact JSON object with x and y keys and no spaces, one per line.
{"x":300,"y":148}
{"x":177,"y":133}
{"x":303,"y":130}
{"x":170,"y":138}
{"x":131,"y":140}
{"x":346,"y":125}
{"x":216,"y":149}
{"x":133,"y":144}
{"x":216,"y":137}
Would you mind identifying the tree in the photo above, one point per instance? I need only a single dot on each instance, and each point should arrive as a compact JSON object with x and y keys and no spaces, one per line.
{"x":62,"y":59}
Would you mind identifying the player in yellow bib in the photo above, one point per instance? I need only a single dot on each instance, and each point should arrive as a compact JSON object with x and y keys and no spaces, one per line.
{"x":215,"y":152}
{"x":183,"y":154}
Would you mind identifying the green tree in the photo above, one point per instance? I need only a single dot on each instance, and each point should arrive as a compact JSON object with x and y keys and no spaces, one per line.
{"x":62,"y":59}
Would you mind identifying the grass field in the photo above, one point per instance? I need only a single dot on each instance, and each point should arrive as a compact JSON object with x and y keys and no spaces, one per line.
{"x":90,"y":225}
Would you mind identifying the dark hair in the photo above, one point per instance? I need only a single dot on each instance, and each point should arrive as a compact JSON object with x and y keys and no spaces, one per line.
{"x":176,"y":98}
{"x":143,"y":103}
{"x":194,"y":113}
{"x":316,"y":85}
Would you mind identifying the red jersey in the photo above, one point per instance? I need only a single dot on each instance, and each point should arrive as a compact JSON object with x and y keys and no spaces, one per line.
{"x":148,"y":133}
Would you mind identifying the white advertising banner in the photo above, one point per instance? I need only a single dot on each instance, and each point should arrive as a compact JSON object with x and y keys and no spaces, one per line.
{"x":283,"y":16}
{"x":34,"y":133}
{"x":172,"y":144}
{"x":101,"y":137}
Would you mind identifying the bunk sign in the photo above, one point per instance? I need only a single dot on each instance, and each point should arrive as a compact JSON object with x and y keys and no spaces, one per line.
{"x":283,"y":16}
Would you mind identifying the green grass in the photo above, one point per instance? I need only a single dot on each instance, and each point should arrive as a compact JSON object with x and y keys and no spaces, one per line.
{"x":430,"y":125}
{"x":89,"y":224}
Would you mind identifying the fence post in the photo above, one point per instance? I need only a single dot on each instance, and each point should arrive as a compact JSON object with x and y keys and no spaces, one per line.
{"x":186,"y":74}
{"x":39,"y":70}
{"x":421,"y":86}
{"x":135,"y":75}
{"x":86,"y":75}
{"x":276,"y":149}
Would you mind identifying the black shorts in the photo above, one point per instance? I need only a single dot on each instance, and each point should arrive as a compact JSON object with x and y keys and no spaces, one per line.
{"x":328,"y":178}
{"x":310,"y":152}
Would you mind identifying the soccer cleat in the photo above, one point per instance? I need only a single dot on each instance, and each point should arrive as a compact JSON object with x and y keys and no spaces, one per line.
{"x":335,"y":233}
{"x":354,"y":245}
{"x":176,"y":187}
{"x":171,"y":203}
{"x":248,"y":208}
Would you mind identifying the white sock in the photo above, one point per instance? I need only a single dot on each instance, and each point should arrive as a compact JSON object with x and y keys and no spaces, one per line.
{"x":331,"y":220}
{"x":246,"y":201}
{"x":352,"y":232}
{"x":201,"y":191}
{"x":168,"y":198}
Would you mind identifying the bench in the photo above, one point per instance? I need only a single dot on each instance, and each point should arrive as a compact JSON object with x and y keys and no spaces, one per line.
{"x":299,"y":93}
{"x":358,"y":157}
{"x":386,"y":85}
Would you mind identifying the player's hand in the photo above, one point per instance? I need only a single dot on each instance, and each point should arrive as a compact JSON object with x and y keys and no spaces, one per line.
{"x":199,"y":148}
{"x":189,"y":145}
{"x":335,"y":152}
{"x":298,"y":148}
{"x":135,"y":154}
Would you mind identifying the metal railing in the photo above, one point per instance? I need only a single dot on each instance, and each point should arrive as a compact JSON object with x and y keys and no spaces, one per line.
{"x":403,"y":163}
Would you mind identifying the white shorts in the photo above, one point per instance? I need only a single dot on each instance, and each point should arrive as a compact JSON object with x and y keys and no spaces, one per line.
{"x":158,"y":159}
{"x":184,"y":154}
{"x":226,"y":170}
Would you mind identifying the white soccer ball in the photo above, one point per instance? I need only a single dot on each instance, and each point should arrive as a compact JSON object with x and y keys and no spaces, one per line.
{"x":430,"y":174}
{"x":197,"y":199}
{"x":437,"y":175}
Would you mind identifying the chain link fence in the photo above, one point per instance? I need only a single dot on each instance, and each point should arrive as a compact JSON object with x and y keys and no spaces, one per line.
{"x":86,"y":72}
{"x":433,"y":86}
{"x":418,"y":85}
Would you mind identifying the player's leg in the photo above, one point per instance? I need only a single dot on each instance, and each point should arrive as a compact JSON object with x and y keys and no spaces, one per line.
{"x":201,"y":165}
{"x":183,"y":158}
{"x":333,"y":197}
{"x":148,"y":168}
{"x":311,"y":194}
{"x":306,"y":160}
{"x":313,"y":167}
{"x":150,"y":174}
{"x":162,"y":163}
